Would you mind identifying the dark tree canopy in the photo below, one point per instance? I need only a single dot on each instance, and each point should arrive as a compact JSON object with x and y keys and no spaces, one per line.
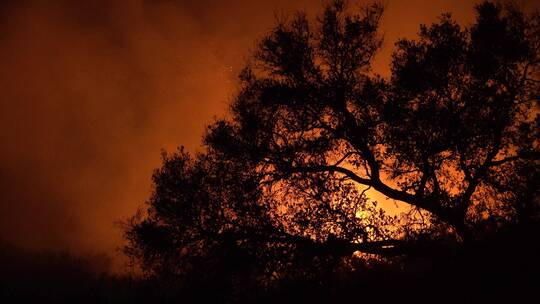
{"x":453,"y":133}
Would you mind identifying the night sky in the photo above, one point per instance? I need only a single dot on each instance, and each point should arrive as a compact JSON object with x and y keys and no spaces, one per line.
{"x":92,"y":91}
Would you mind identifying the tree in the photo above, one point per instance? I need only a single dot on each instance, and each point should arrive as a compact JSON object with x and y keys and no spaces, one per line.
{"x":453,"y":133}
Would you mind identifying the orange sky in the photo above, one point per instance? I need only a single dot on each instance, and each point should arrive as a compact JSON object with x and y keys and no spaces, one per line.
{"x":91,"y":92}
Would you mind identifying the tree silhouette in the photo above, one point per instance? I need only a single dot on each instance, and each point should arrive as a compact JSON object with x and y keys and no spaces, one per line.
{"x":452,"y":133}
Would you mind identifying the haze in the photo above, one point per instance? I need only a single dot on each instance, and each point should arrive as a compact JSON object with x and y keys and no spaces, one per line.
{"x":93,"y":90}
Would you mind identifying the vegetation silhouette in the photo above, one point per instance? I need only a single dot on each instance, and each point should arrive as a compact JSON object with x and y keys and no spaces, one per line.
{"x":32,"y":276}
{"x":279,"y":207}
{"x":277,"y":204}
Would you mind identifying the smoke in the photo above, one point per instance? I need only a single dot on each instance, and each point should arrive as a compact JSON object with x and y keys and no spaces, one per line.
{"x":91,"y":91}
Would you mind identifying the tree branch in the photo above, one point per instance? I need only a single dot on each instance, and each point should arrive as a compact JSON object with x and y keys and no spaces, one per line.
{"x":377,"y":184}
{"x":332,"y":246}
{"x":531,"y":155}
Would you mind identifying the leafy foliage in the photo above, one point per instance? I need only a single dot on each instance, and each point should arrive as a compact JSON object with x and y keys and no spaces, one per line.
{"x":453,"y":133}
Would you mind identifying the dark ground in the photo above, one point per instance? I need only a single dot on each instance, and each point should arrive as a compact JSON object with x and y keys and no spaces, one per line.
{"x":502,"y":270}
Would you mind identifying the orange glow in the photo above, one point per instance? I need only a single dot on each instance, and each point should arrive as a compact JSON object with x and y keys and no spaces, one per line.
{"x":92,"y":92}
